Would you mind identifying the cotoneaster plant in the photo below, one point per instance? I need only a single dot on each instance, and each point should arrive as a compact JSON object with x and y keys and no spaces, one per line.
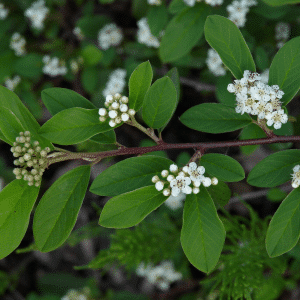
{"x":138,"y":185}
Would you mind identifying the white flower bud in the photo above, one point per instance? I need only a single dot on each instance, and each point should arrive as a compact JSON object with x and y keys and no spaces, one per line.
{"x":18,"y":139}
{"x":27,"y":139}
{"x":206,"y":182}
{"x":30,"y":151}
{"x":295,"y":185}
{"x":159,"y":185}
{"x":196,"y":183}
{"x":117,"y":96}
{"x":48,"y":149}
{"x":30,"y":177}
{"x":43,"y":153}
{"x":16,"y":171}
{"x":125,"y":117}
{"x":30,"y":163}
{"x":19,"y":177}
{"x":24,"y":172}
{"x":124,"y":99}
{"x":16,"y":162}
{"x":102,"y":111}
{"x":166,"y":192}
{"x":41,"y":171}
{"x":34,"y":171}
{"x":37,"y":177}
{"x":214,"y":181}
{"x":15,"y":154}
{"x":118,"y":120}
{"x":170,"y":178}
{"x":30,"y":183}
{"x":18,"y":149}
{"x":123,"y":107}
{"x":164,"y":173}
{"x":27,"y":133}
{"x":38,"y":149}
{"x":27,"y":145}
{"x":181,"y":174}
{"x":112,"y":123}
{"x":24,"y":149}
{"x":196,"y":190}
{"x":27,"y":157}
{"x":155,"y":178}
{"x":173,"y":168}
{"x":21,"y":133}
{"x":21,"y":160}
{"x":185,"y":169}
{"x":112,"y":114}
{"x":35,"y":161}
{"x":109,"y":98}
{"x":12,"y":149}
{"x":22,"y":139}
{"x":102,"y":119}
{"x":37,"y":184}
{"x":131,"y":112}
{"x":115,"y":105}
{"x":15,"y":144}
{"x":41,"y":161}
{"x":36,"y":143}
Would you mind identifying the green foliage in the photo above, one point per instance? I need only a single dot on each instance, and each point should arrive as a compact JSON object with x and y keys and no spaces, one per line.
{"x":214,"y":118}
{"x":57,"y":211}
{"x":157,"y":18}
{"x":280,"y":2}
{"x":203,"y":234}
{"x":224,"y":36}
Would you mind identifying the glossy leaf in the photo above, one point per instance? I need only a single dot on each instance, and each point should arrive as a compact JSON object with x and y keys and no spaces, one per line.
{"x":160,"y":103}
{"x":73,"y":125}
{"x":202,"y":234}
{"x":281,"y":2}
{"x":128,"y":175}
{"x":139,"y":83}
{"x":157,"y":18}
{"x":108,"y":137}
{"x":220,"y":193}
{"x":16,"y":202}
{"x":285,"y":69}
{"x":131,"y":208}
{"x":214,"y":118}
{"x":58,"y":99}
{"x":275,"y":169}
{"x":183,"y":32}
{"x":223,"y":167}
{"x":284,"y":229}
{"x":57,"y":211}
{"x":225,"y":37}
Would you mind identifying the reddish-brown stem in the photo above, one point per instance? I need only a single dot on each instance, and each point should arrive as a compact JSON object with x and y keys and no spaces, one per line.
{"x":165,"y":146}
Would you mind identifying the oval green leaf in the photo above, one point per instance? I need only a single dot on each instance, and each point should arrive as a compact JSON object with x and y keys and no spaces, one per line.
{"x":157,"y":18}
{"x":128,"y":175}
{"x":275,"y":169}
{"x":220,"y":193}
{"x":139,"y":83}
{"x":57,"y":211}
{"x":223,"y":167}
{"x":73,"y":125}
{"x":202,"y":234}
{"x":183,"y":32}
{"x":58,"y":99}
{"x":131,"y":208}
{"x":108,"y":137}
{"x":160,"y":103}
{"x":214,"y":118}
{"x":16,"y":202}
{"x":284,"y":229}
{"x":285,"y":69}
{"x":225,"y":37}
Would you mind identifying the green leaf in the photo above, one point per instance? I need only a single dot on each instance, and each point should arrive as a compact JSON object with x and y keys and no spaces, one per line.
{"x":4,"y":139}
{"x":160,"y":103}
{"x":176,"y":6}
{"x":251,"y":131}
{"x":108,"y":137}
{"x":90,"y":25}
{"x":281,"y":2}
{"x":220,"y":193}
{"x":276,"y":195}
{"x":131,"y":208}
{"x":285,"y":69}
{"x":58,"y":99}
{"x":223,"y":167}
{"x":90,"y":79}
{"x":29,"y":66}
{"x":7,"y":60}
{"x":275,"y":169}
{"x":183,"y":32}
{"x":91,"y":55}
{"x":139,"y":83}
{"x":202,"y":234}
{"x":128,"y":175}
{"x":285,"y":130}
{"x":10,"y":125}
{"x":284,"y":229}
{"x":261,"y":58}
{"x":57,"y":211}
{"x":73,"y":125}
{"x":157,"y":18}
{"x":174,"y":76}
{"x":222,"y":93}
{"x":16,"y":202}
{"x":214,"y":118}
{"x":224,"y":36}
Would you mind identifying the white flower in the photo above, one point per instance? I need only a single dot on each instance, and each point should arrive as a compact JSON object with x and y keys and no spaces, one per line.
{"x":159,"y":185}
{"x":11,"y":84}
{"x":154,"y":2}
{"x":155,"y":178}
{"x":144,"y":35}
{"x":282,"y":31}
{"x":125,"y":117}
{"x":109,"y":35}
{"x":3,"y":12}
{"x":17,"y":43}
{"x":54,"y":66}
{"x":264,"y":77}
{"x":214,"y":181}
{"x":77,"y":31}
{"x":102,"y":111}
{"x":180,"y":183}
{"x":277,"y":118}
{"x":173,"y":168}
{"x":116,"y":83}
{"x":214,"y":63}
{"x":175,"y":202}
{"x":296,"y":177}
{"x":206,"y":182}
{"x":196,"y":173}
{"x":37,"y":13}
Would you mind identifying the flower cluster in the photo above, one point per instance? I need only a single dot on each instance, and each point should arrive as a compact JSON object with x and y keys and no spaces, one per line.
{"x":117,"y":110}
{"x":282,"y":33}
{"x":259,"y":99}
{"x":109,"y":35}
{"x":144,"y":34}
{"x":37,"y":13}
{"x":116,"y":82}
{"x":214,"y":63}
{"x":296,"y":177}
{"x":238,"y":10}
{"x":183,"y":179}
{"x":12,"y":83}
{"x":162,"y":275}
{"x":30,"y":155}
{"x":17,"y":43}
{"x":154,"y":2}
{"x":3,"y":12}
{"x":77,"y":295}
{"x":54,"y":66}
{"x":210,"y":2}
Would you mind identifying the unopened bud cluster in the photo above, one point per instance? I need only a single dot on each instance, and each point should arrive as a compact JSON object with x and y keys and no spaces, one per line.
{"x":296,"y":177}
{"x":259,"y":99}
{"x":177,"y":181}
{"x":117,"y":110}
{"x":30,"y":155}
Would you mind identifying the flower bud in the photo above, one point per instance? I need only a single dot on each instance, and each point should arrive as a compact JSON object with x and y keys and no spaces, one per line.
{"x":27,"y":133}
{"x":22,"y":139}
{"x":155,"y":178}
{"x":102,"y":119}
{"x":214,"y":181}
{"x":102,"y":112}
{"x":36,"y":143}
{"x":27,"y":139}
{"x":164,"y":173}
{"x":131,"y":112}
{"x":173,"y":168}
{"x":166,"y":192}
{"x":115,"y":105}
{"x":124,"y":117}
{"x":124,"y":99}
{"x":196,"y":190}
{"x":38,"y":149}
{"x":159,"y":185}
{"x":118,"y":120}
{"x":123,"y":107}
{"x":117,"y":96}
{"x":170,"y":178}
{"x":43,"y":153}
{"x":27,"y":157}
{"x":112,"y":123}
